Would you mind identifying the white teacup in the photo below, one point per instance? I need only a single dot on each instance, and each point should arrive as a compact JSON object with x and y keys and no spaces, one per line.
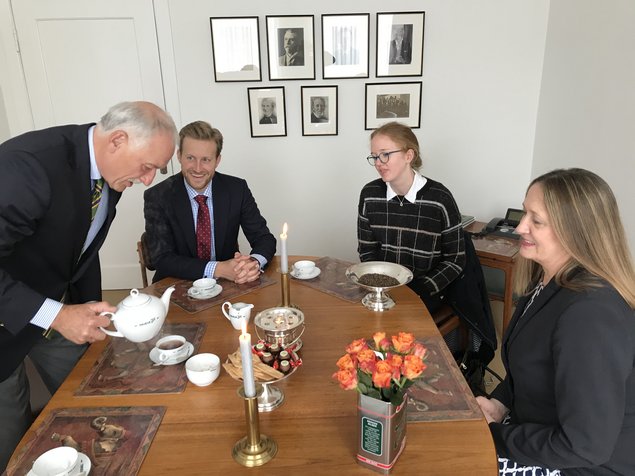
{"x":61,"y":461}
{"x":170,"y":347}
{"x":304,"y":267}
{"x":202,"y":287}
{"x":237,"y":313}
{"x":202,"y":369}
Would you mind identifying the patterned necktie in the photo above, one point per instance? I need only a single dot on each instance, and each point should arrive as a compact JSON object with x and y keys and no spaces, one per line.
{"x":203,"y":229}
{"x":96,"y":198}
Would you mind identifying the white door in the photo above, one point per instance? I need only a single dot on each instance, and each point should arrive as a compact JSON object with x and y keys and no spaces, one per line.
{"x":80,"y":57}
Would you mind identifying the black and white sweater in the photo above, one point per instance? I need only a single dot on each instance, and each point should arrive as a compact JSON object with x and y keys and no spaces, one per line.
{"x":425,"y":237}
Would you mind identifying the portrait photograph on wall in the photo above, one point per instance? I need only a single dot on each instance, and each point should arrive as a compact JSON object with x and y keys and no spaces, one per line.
{"x":345,"y":45}
{"x":235,"y":48}
{"x":400,"y":44}
{"x":319,"y":110}
{"x":290,"y":47}
{"x":386,"y":102}
{"x":267,"y":115}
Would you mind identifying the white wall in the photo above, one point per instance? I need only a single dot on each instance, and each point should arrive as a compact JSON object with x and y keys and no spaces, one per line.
{"x":482,"y":70}
{"x":586,"y":116}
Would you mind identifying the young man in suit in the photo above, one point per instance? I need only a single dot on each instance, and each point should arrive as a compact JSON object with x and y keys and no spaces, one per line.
{"x":58,"y":191}
{"x":193,"y":218}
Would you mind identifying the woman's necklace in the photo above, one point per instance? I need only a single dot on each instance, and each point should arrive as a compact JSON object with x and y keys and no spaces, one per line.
{"x":401,"y":200}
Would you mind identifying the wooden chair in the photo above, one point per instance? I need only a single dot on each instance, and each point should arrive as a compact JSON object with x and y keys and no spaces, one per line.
{"x":144,"y":260}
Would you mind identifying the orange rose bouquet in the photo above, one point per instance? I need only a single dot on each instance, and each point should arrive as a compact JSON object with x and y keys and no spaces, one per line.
{"x":383,"y":369}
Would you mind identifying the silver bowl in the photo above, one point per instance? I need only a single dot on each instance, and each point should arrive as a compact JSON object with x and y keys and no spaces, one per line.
{"x":378,"y":299}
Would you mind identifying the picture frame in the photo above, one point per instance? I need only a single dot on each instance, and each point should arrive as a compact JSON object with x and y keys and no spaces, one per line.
{"x":267,"y":112}
{"x":319,"y":110}
{"x":400,"y":44}
{"x":236,"y":48}
{"x":345,"y":52}
{"x":297,"y":59}
{"x":386,"y":102}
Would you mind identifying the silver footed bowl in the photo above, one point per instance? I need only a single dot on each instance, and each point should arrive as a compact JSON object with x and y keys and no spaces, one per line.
{"x":378,"y":299}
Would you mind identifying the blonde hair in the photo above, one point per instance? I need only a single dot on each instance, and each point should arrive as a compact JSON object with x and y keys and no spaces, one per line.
{"x":201,"y":130}
{"x":585,"y":218}
{"x":402,"y":135}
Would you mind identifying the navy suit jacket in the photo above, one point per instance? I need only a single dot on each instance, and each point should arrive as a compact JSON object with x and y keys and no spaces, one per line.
{"x":170,"y":230}
{"x":45,"y":201}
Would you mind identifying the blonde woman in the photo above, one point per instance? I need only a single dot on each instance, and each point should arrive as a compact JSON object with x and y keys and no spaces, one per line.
{"x":407,"y":218}
{"x":568,"y":400}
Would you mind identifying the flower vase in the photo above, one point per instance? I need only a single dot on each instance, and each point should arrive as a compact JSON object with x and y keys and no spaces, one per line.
{"x":382,"y":432}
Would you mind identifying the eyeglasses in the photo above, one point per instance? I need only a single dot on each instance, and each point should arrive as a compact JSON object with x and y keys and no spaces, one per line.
{"x":383,"y":157}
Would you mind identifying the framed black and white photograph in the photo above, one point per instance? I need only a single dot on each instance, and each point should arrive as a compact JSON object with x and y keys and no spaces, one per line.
{"x":400,"y":44}
{"x":319,"y":110}
{"x":267,"y":114}
{"x":345,"y":45}
{"x":387,"y":102}
{"x":290,"y":47}
{"x":236,"y":48}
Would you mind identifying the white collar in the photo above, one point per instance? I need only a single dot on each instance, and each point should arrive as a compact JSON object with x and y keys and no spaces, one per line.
{"x":417,"y":184}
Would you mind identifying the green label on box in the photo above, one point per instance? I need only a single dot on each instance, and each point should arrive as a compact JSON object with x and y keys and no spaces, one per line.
{"x":372,"y":436}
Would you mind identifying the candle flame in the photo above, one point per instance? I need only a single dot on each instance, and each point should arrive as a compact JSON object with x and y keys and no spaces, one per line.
{"x":285,"y":228}
{"x":243,"y":326}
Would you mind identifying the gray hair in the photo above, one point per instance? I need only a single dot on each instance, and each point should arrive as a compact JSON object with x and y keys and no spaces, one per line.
{"x":141,"y":120}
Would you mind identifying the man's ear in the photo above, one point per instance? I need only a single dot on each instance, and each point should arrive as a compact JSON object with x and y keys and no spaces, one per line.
{"x":117,"y":139}
{"x":218,"y":159}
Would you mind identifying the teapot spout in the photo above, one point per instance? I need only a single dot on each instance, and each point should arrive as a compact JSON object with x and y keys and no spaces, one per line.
{"x":165,"y":299}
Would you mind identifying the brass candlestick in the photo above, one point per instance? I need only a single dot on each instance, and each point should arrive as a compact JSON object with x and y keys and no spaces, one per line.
{"x":254,"y":449}
{"x":286,"y":292}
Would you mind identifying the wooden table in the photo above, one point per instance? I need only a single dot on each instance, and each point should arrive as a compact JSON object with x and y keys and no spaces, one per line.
{"x":499,"y":253}
{"x":315,"y":427}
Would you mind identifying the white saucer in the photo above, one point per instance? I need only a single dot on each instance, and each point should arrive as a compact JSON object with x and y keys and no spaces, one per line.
{"x":216,"y":290}
{"x":154,"y":355}
{"x":84,"y":460}
{"x":316,"y":272}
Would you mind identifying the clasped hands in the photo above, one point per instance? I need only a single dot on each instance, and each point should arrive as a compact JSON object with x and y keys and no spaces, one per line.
{"x":240,"y":269}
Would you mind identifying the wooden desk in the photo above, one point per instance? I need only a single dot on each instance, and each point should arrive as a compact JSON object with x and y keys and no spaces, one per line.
{"x":499,"y":253}
{"x":316,"y":424}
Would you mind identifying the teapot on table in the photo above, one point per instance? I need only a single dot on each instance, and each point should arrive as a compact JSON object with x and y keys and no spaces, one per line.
{"x":139,"y":317}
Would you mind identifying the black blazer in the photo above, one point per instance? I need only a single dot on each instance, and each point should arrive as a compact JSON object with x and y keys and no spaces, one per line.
{"x":170,"y":230}
{"x":570,"y":383}
{"x":44,"y":219}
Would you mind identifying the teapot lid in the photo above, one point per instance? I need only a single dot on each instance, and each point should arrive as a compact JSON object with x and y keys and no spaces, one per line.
{"x":135,"y":299}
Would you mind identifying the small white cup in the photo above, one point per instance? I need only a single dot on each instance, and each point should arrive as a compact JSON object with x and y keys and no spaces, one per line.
{"x":61,"y":461}
{"x":304,"y":267}
{"x":202,"y":287}
{"x":237,"y":313}
{"x":202,"y":369}
{"x":170,"y":347}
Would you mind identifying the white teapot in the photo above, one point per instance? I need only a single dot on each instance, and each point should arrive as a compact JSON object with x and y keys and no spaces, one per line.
{"x":139,"y":317}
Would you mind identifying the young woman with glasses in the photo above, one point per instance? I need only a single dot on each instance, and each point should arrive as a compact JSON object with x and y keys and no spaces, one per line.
{"x":407,"y":218}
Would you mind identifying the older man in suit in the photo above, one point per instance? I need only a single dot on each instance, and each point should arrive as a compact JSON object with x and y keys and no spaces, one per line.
{"x":193,"y":218}
{"x":58,"y":191}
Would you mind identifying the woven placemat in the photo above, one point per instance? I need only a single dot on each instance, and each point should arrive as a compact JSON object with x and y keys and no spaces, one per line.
{"x":229,"y":292}
{"x":116,"y":439}
{"x":125,"y":367}
{"x":332,"y":280}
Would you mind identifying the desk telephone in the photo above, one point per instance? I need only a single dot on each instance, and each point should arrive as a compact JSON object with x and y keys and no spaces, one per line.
{"x":505,"y":226}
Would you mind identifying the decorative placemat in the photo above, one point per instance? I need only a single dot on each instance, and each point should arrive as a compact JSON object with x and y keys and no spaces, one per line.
{"x":116,"y":439}
{"x":332,"y":280}
{"x":442,"y":393}
{"x":229,"y":292}
{"x":125,"y":367}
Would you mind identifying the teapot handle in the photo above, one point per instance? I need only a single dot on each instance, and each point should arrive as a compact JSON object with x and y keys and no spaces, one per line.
{"x":106,"y":331}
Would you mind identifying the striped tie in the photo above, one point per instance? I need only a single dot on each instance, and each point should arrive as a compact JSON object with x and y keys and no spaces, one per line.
{"x":96,"y":198}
